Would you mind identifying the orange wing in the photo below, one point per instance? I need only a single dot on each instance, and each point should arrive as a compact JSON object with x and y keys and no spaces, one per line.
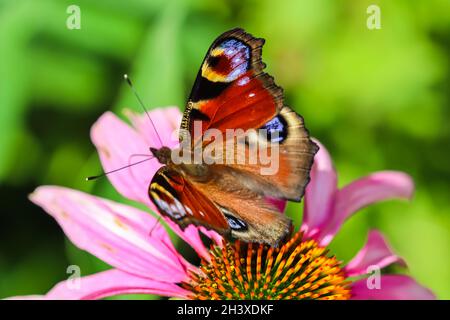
{"x":291,"y":155}
{"x":179,"y":200}
{"x":231,"y":90}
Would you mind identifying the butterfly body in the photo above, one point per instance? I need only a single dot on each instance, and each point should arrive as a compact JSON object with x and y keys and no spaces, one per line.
{"x":226,"y":191}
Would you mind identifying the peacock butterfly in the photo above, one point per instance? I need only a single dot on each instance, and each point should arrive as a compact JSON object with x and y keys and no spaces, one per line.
{"x":231,"y":91}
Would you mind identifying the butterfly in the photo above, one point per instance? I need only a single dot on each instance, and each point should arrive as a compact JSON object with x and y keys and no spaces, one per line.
{"x":231,"y":91}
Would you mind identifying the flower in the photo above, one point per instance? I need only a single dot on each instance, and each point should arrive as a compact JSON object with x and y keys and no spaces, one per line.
{"x":301,"y":268}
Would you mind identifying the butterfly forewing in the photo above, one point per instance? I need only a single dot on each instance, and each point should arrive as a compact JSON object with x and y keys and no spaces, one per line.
{"x":231,"y":90}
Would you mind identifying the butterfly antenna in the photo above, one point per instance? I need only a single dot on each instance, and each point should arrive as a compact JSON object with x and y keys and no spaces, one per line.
{"x":154,"y":226}
{"x":128,"y":80}
{"x":118,"y":169}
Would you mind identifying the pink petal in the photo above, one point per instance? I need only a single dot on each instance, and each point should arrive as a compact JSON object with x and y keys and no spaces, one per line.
{"x":115,"y":233}
{"x":375,"y":252}
{"x":167,"y":122}
{"x":278,"y":203}
{"x":214,"y":236}
{"x":110,"y":283}
{"x":320,"y":193}
{"x":393,"y":287}
{"x":116,"y":143}
{"x":376,"y":187}
{"x":191,"y":236}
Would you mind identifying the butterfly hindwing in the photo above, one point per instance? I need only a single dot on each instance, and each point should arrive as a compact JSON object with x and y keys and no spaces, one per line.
{"x":177,"y":199}
{"x":250,"y":216}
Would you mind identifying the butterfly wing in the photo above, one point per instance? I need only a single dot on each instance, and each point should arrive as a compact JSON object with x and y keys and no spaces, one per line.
{"x":177,"y":199}
{"x":231,"y":91}
{"x":250,"y":216}
{"x":283,"y":160}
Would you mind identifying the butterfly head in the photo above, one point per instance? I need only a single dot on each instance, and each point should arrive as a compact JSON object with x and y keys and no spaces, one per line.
{"x":163,"y":154}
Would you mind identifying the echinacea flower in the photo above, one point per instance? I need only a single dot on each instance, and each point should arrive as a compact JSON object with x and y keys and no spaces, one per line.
{"x":301,"y":268}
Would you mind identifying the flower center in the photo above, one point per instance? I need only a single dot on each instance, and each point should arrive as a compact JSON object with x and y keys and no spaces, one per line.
{"x":296,"y":270}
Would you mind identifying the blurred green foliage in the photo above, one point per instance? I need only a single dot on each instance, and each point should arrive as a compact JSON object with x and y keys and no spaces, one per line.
{"x":378,"y":99}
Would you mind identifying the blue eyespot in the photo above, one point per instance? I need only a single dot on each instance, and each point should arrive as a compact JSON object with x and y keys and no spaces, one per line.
{"x":232,"y":47}
{"x":276,"y":129}
{"x":235,"y":223}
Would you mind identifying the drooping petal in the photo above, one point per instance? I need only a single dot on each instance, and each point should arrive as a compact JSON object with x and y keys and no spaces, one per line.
{"x":191,"y":235}
{"x":320,"y":193}
{"x":115,"y":233}
{"x":375,"y":252}
{"x":213,"y":235}
{"x":278,"y":203}
{"x":376,"y":187}
{"x":118,"y":145}
{"x":110,"y":283}
{"x":392,"y":287}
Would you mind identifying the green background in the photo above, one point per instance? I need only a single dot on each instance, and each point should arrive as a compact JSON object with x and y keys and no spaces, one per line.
{"x":378,"y":99}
